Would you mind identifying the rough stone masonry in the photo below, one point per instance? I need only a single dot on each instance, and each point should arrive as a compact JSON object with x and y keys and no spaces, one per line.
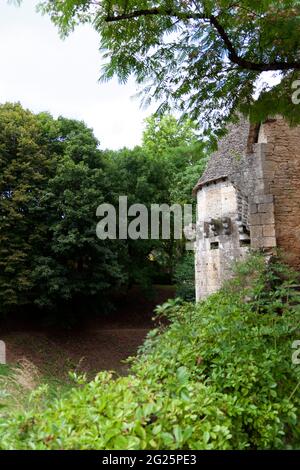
{"x":249,"y":196}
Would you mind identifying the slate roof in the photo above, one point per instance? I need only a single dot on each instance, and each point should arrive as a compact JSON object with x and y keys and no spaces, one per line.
{"x":227,"y":159}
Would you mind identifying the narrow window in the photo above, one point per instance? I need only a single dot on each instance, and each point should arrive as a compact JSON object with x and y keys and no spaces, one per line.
{"x":245,"y":242}
{"x":214,"y":245}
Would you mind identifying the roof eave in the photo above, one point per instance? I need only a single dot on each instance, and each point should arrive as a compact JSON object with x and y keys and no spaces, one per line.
{"x":208,"y":182}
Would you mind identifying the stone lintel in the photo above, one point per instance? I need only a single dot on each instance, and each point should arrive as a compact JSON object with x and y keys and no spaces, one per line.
{"x":262,"y":199}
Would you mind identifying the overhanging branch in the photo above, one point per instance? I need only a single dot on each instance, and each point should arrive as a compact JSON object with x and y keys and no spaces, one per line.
{"x":247,"y":64}
{"x":233,"y":55}
{"x":154,"y":11}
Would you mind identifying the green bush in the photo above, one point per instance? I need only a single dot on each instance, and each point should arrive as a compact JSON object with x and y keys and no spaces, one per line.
{"x":220,"y":376}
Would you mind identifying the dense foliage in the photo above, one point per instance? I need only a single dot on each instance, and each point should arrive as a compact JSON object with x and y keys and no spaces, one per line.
{"x":53,"y":177}
{"x":27,"y":162}
{"x":220,"y":376}
{"x":206,"y":57}
{"x":184,"y":277}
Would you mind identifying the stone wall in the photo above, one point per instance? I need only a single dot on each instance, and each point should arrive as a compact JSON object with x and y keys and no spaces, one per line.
{"x":218,"y":239}
{"x":256,"y":192}
{"x":251,"y":181}
{"x":281,"y":169}
{"x":270,"y":179}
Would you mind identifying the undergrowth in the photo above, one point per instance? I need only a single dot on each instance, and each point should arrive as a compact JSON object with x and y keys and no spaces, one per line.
{"x":218,"y":376}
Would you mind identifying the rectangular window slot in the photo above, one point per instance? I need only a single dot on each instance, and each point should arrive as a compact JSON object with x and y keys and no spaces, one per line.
{"x":245,"y":242}
{"x":214,"y":245}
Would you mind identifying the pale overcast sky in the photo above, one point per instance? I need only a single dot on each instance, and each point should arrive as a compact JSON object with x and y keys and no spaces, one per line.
{"x":46,"y":73}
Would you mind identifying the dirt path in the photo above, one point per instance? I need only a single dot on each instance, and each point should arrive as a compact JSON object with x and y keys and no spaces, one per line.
{"x":101,"y":344}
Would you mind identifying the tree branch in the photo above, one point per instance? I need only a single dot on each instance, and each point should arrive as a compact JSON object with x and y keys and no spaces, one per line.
{"x":154,"y":11}
{"x":233,"y":56}
{"x":244,"y":63}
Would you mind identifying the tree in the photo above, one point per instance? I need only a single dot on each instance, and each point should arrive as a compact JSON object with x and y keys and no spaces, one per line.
{"x":165,"y":133}
{"x":177,"y":145}
{"x":76,"y":272}
{"x":144,"y":180}
{"x":52,"y":179}
{"x":26,"y":164}
{"x":184,"y":277}
{"x":203,"y":56}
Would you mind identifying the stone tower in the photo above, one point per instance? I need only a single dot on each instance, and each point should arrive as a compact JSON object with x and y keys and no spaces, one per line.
{"x":248,"y":197}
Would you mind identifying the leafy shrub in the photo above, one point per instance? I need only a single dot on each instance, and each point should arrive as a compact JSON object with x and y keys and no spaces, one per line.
{"x":220,"y":376}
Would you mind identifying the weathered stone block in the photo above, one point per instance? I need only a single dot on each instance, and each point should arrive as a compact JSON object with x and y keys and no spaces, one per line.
{"x":262,"y":198}
{"x":256,"y":232}
{"x":269,"y":231}
{"x":255,"y":219}
{"x":269,"y":242}
{"x":257,"y":243}
{"x":268,"y":218}
{"x":270,"y":166}
{"x":253,"y":208}
{"x":267,"y":198}
{"x":266,"y":208}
